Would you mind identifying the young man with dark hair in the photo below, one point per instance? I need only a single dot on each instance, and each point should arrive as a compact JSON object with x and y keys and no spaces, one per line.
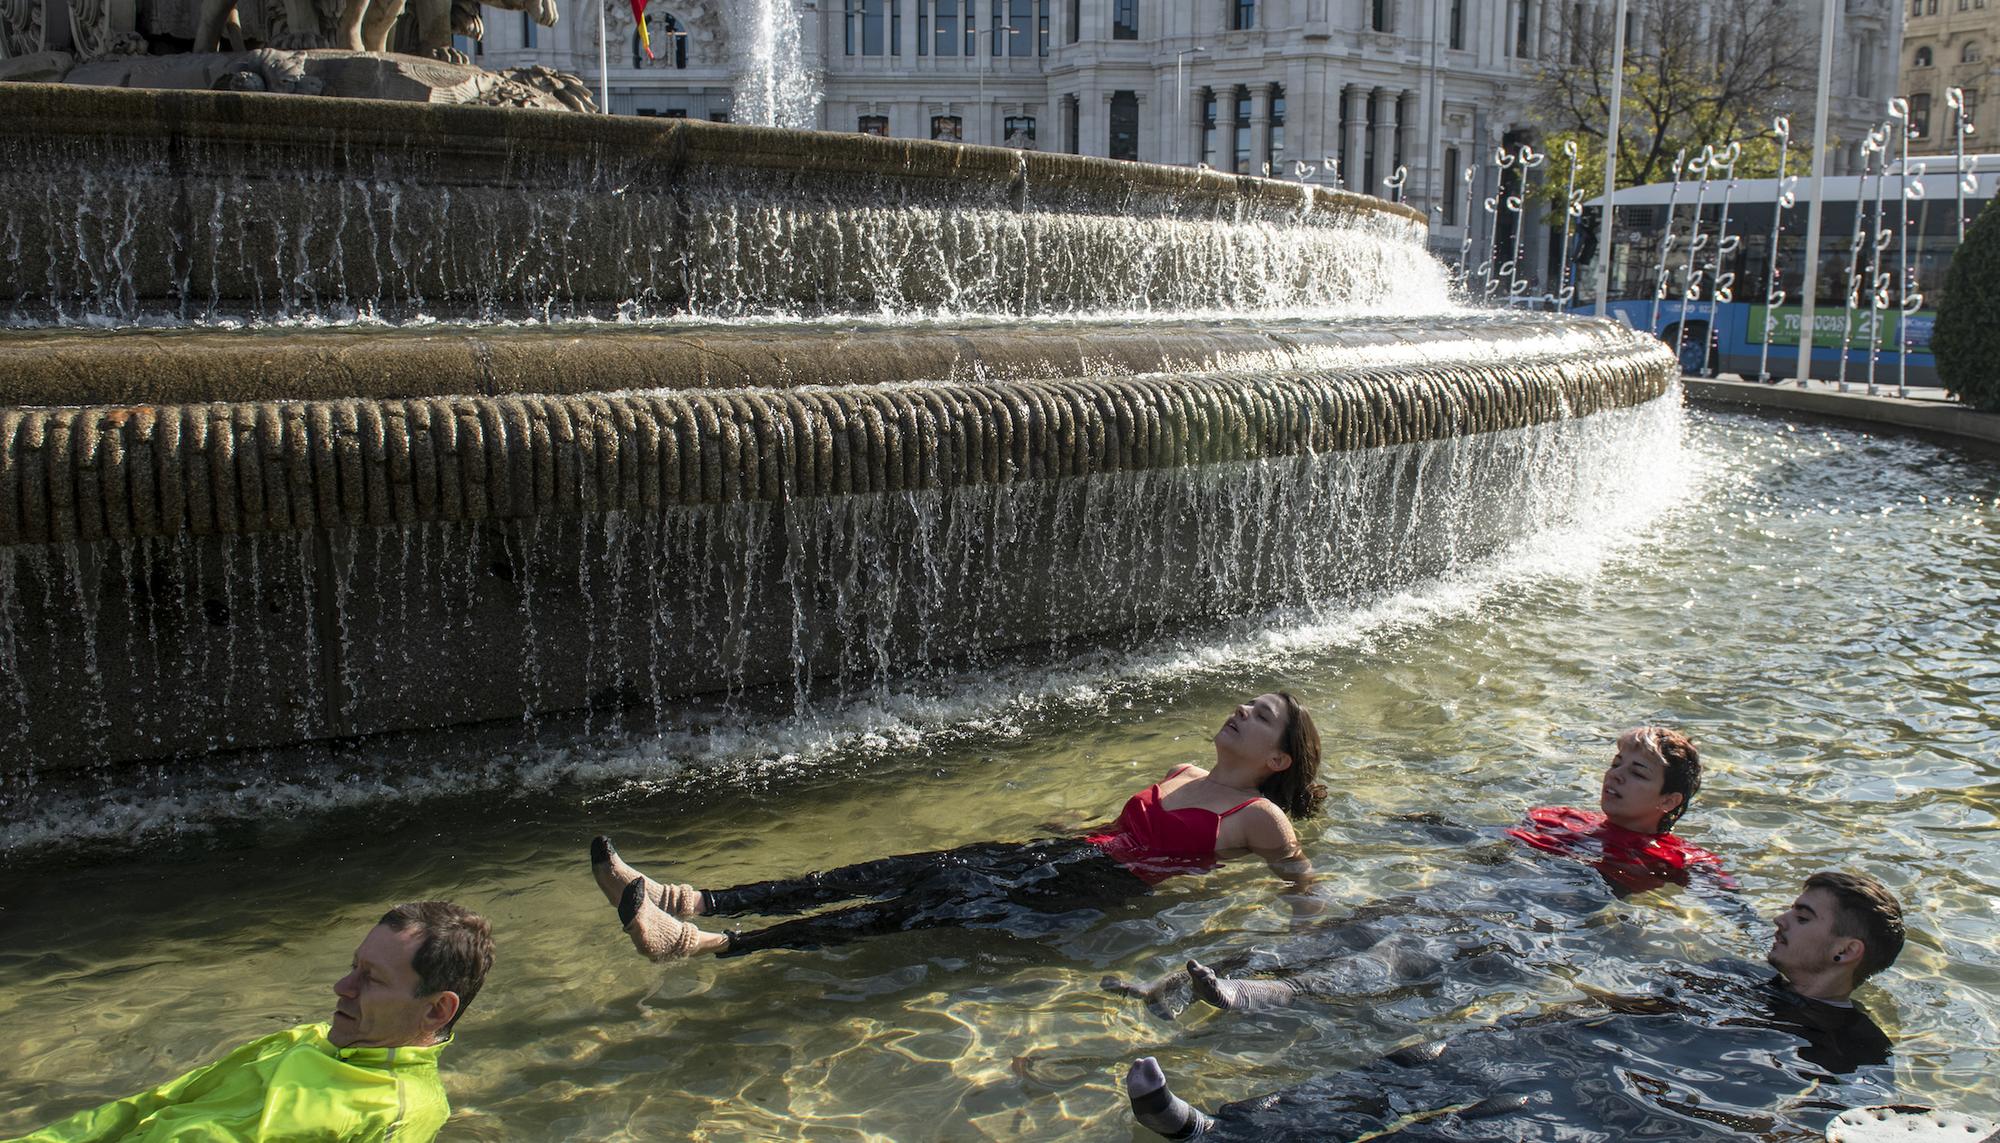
{"x":370,"y":1073}
{"x":1803,"y":1027}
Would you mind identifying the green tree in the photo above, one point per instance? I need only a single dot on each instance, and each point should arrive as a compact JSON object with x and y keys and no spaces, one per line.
{"x":1967,"y":337}
{"x":1696,"y":75}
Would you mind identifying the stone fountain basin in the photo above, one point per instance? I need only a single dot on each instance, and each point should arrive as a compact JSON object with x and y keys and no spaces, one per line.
{"x":213,"y":542}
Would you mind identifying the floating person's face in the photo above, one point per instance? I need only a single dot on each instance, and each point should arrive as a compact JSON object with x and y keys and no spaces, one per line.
{"x":376,"y":1004}
{"x":1806,"y":942}
{"x":1631,"y":796}
{"x":1256,"y":728}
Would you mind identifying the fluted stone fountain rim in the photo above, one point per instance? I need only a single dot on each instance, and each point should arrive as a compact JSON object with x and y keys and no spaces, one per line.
{"x":65,"y":366}
{"x":470,"y":142}
{"x":83,"y":474}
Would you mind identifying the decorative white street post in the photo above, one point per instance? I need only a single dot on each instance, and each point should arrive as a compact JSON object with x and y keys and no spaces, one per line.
{"x":1829,"y":12}
{"x":1610,"y":159}
{"x":604,"y":61}
{"x":1180,"y":98}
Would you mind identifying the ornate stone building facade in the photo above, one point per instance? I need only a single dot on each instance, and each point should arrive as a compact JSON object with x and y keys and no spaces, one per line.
{"x":1336,"y":91}
{"x":1951,"y":44}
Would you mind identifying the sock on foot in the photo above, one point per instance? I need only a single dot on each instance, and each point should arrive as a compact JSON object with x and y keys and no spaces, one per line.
{"x":613,"y":875}
{"x":1156,"y":1107}
{"x":656,"y":935}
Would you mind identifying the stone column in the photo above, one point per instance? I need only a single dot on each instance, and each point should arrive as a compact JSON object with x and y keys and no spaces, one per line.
{"x":1354,"y":157}
{"x":1260,"y":127}
{"x":1385,"y":140}
{"x":906,"y":43}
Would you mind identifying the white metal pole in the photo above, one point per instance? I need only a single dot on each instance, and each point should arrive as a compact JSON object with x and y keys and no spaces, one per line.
{"x":1817,"y":209}
{"x":603,"y":61}
{"x":1611,"y":158}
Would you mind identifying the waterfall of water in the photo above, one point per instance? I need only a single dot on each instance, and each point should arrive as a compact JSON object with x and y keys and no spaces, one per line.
{"x":774,"y":87}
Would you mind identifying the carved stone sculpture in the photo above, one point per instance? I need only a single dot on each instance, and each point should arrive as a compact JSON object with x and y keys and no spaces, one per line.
{"x":276,"y":45}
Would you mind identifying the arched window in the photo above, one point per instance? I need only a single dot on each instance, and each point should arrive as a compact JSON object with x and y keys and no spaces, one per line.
{"x":670,"y":43}
{"x":1970,"y":53}
{"x":1922,"y":58}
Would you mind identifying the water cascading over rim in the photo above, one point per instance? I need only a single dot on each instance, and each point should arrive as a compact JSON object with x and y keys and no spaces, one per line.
{"x":216,"y":537}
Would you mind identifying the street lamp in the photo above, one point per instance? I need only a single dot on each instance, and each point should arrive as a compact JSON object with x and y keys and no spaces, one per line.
{"x":1180,"y":97}
{"x":988,"y":66}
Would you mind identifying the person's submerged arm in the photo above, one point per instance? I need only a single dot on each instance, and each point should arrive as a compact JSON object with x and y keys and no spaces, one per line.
{"x":120,"y":1117}
{"x":1272,"y":838}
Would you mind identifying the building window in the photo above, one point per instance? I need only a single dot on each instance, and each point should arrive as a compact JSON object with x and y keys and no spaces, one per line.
{"x":873,"y":125}
{"x":1242,"y":15}
{"x":1368,"y":171}
{"x":1864,"y":73}
{"x":1015,"y":19}
{"x":971,"y":31}
{"x":1241,"y":162}
{"x":1970,"y":53}
{"x":1019,"y":132}
{"x":528,"y":31}
{"x":1276,"y":155}
{"x":945,"y":40}
{"x":1457,"y":28}
{"x":1208,"y":127}
{"x":1920,"y":114}
{"x":923,"y":27}
{"x":1576,"y":30}
{"x":1125,"y":19}
{"x":670,"y":45}
{"x":1916,"y":7}
{"x":1378,"y":15}
{"x":1521,"y":29}
{"x":1923,"y":58}
{"x":1448,"y":181}
{"x":1074,"y":32}
{"x":949,"y":128}
{"x":1072,"y":125}
{"x":1042,"y":26}
{"x":718,"y":117}
{"x":874,"y":27}
{"x":1124,"y":125}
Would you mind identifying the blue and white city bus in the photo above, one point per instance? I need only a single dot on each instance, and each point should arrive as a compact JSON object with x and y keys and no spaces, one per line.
{"x":1878,"y":233}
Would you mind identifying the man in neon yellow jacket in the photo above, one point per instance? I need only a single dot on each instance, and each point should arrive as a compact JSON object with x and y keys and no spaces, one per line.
{"x":368,"y":1074}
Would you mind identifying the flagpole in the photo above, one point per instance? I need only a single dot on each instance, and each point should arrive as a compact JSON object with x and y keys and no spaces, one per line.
{"x":603,"y":62}
{"x":1811,"y":285}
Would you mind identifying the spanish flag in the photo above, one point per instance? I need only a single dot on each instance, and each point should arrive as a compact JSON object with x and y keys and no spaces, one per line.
{"x":639,"y":18}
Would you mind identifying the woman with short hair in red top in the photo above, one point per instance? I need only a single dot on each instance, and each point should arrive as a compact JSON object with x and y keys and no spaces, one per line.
{"x":1655,"y":772}
{"x":1265,"y":774}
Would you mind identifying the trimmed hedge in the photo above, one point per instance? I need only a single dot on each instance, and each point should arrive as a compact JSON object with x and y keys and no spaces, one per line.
{"x":1967,"y":338}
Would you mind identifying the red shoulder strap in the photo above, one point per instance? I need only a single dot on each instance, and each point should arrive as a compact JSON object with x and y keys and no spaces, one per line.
{"x":1233,"y":809}
{"x":1177,"y":770}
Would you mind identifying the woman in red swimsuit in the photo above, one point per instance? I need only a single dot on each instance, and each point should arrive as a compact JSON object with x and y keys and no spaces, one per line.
{"x":1655,"y":772}
{"x":1265,"y":773}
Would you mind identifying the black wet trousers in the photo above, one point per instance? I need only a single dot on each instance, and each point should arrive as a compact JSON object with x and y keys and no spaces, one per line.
{"x":982,"y":884}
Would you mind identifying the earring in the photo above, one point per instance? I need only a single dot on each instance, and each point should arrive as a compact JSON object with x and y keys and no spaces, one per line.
{"x":1836,"y":958}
